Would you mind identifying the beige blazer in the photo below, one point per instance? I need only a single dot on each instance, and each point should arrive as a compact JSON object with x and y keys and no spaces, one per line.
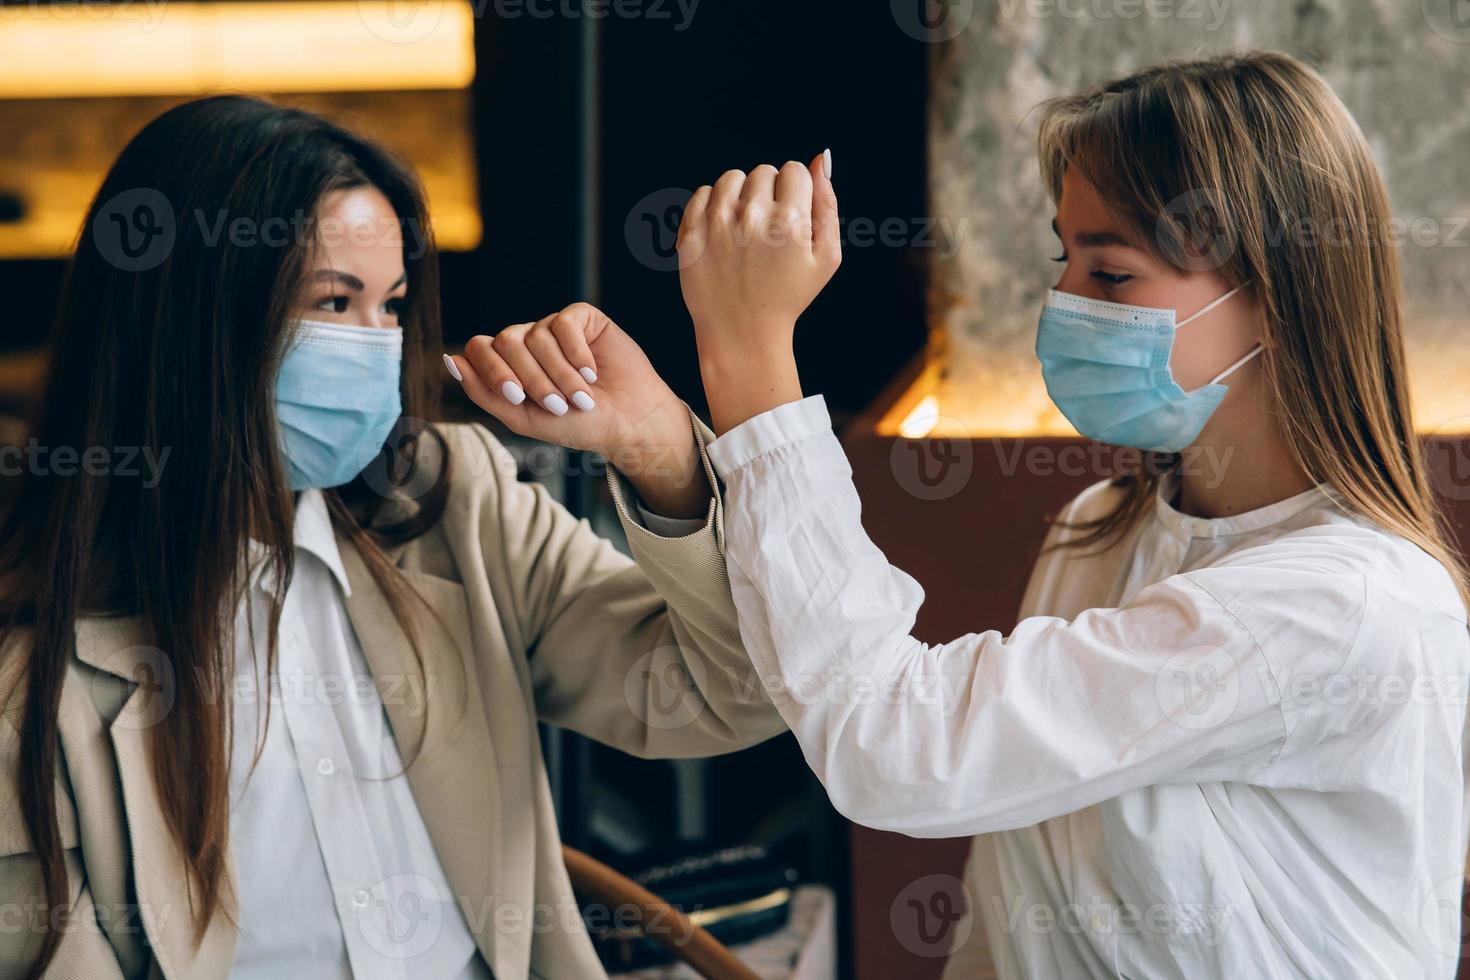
{"x":556,"y":625}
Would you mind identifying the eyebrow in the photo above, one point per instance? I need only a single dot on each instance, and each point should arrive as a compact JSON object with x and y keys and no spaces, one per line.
{"x":1095,"y":239}
{"x":349,"y":280}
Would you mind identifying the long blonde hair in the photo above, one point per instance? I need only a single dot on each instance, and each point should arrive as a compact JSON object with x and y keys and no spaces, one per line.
{"x":1251,"y":165}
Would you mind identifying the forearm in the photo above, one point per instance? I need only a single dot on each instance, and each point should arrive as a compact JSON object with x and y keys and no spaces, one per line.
{"x":986,"y":732}
{"x":741,"y":384}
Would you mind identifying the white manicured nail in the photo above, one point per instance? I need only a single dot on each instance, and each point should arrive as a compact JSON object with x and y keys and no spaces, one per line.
{"x":583,"y":401}
{"x":588,"y":375}
{"x":555,"y":404}
{"x":827,"y":163}
{"x":453,"y":370}
{"x":512,"y":392}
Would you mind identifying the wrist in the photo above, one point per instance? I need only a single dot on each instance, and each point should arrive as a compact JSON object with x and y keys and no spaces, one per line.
{"x":741,"y":387}
{"x":662,"y":462}
{"x":743,"y":339}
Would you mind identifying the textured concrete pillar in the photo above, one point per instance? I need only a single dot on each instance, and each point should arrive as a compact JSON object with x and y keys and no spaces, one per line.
{"x":1402,"y":68}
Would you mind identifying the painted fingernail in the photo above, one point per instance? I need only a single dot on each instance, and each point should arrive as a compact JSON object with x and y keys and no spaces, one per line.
{"x":555,"y":404}
{"x":583,"y":401}
{"x":588,"y":375}
{"x":512,"y":392}
{"x":827,"y":163}
{"x":453,"y":369}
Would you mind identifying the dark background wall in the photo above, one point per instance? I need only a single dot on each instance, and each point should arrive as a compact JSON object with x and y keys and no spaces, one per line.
{"x":745,"y":83}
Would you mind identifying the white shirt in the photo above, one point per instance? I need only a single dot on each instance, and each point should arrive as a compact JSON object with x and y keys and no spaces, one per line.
{"x":1223,"y":748}
{"x":337,"y":875}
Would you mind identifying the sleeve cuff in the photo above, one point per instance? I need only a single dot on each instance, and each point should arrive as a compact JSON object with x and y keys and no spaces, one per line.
{"x":769,"y":431}
{"x":651,"y":530}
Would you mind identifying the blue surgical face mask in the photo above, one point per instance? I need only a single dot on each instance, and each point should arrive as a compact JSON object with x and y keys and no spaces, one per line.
{"x":336,"y":399}
{"x":1106,"y":366}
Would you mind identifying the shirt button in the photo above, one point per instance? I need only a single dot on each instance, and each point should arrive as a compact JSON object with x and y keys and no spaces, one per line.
{"x":326,"y":766}
{"x":360,"y":898}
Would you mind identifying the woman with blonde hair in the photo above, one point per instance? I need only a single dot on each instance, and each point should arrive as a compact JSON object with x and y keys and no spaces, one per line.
{"x":1225,"y":738}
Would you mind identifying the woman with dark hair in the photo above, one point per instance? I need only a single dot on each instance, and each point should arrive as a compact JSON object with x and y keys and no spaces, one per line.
{"x":272,"y":702}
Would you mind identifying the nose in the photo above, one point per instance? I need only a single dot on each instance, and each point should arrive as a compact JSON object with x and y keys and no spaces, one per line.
{"x":379,"y":319}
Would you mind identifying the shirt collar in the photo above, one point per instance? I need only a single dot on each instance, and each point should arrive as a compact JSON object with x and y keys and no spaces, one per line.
{"x":1189,"y":526}
{"x":312,"y":534}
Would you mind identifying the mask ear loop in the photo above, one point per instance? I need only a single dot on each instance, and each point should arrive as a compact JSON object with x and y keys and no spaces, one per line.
{"x":1207,"y":308}
{"x":1210,"y":306}
{"x":1232,"y":368}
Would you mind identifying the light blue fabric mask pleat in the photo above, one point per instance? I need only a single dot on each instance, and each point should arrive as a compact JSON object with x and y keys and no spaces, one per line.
{"x":337,"y":398}
{"x":1106,"y":367}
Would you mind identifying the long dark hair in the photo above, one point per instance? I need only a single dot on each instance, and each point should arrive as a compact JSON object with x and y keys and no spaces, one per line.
{"x":168,"y":337}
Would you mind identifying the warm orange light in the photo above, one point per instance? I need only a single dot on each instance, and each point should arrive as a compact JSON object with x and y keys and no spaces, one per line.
{"x":984,"y":397}
{"x":970,"y":401}
{"x":922,"y":420}
{"x":181,"y":48}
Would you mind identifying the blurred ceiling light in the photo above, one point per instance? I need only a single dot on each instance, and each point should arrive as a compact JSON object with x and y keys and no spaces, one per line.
{"x":169,"y":47}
